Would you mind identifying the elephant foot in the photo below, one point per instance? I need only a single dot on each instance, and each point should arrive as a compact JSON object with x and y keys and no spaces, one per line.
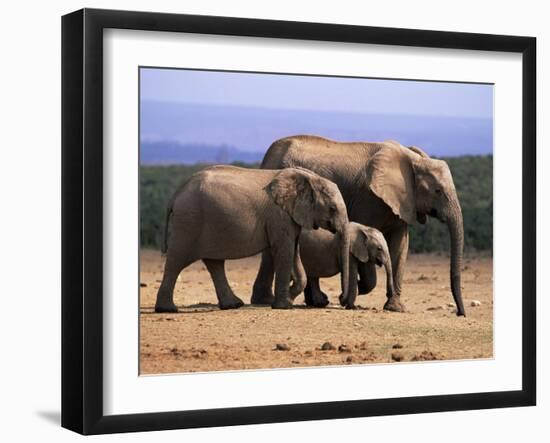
{"x":233,"y":302}
{"x":282,"y":303}
{"x":394,"y":304}
{"x":315,"y":299}
{"x":342,"y":300}
{"x":166,"y":308}
{"x":345,"y":303}
{"x":262,"y":296}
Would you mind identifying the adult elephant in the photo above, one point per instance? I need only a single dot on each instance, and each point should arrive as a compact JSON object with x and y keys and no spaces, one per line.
{"x":384,"y":185}
{"x":225,"y":212}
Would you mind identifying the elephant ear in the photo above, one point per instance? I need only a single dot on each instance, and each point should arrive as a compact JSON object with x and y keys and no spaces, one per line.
{"x":390,"y":176}
{"x":419,"y":151}
{"x":359,"y":245}
{"x":293,"y":191}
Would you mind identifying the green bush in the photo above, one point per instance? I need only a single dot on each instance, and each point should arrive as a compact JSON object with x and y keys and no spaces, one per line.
{"x":473,"y":177}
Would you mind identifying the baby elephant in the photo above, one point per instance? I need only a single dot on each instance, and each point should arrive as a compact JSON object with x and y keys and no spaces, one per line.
{"x":226,"y":212}
{"x":319,"y":251}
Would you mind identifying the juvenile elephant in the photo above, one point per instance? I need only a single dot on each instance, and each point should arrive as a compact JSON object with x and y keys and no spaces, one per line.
{"x":321,"y":257}
{"x":385,"y":185}
{"x":226,"y":212}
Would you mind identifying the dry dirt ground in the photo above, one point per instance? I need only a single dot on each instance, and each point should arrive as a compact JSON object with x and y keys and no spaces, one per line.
{"x":203,"y":338}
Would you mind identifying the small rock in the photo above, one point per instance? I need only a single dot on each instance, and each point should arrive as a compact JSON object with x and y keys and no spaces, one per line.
{"x":475,"y":303}
{"x":363,"y":346}
{"x":434,"y":308}
{"x":308,"y":353}
{"x":397,"y":346}
{"x":397,"y":356}
{"x":327,"y":346}
{"x":451,"y":305}
{"x":282,"y":347}
{"x":143,"y":285}
{"x":344,"y":348}
{"x":423,"y":277}
{"x":349,"y":359}
{"x":425,"y":356}
{"x":295,"y":362}
{"x":356,"y":324}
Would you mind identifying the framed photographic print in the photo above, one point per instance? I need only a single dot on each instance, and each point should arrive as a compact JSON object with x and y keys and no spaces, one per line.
{"x":269,"y":221}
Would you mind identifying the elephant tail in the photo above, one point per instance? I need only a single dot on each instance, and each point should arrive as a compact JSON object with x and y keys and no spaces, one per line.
{"x":164,"y":246}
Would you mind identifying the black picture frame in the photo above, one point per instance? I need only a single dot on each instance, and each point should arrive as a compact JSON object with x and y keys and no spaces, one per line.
{"x":82,"y":218}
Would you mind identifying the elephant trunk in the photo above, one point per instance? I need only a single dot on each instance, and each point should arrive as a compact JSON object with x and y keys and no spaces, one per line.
{"x":344,"y":253}
{"x":456,"y":231}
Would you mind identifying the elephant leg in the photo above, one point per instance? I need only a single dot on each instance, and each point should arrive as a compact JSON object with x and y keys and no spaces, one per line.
{"x":226,"y":297}
{"x":367,"y":277}
{"x":398,"y":246}
{"x":283,"y":262}
{"x":299,"y":278}
{"x":262,"y":293}
{"x":349,"y":303}
{"x":313,"y":294}
{"x":165,"y":294}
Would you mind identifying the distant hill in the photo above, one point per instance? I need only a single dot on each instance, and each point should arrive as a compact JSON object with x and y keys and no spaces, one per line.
{"x":173,"y":153}
{"x":251,"y":130}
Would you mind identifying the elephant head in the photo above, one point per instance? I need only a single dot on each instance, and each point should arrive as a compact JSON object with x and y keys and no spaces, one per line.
{"x":414,"y":185}
{"x":369,"y":245}
{"x":313,"y":202}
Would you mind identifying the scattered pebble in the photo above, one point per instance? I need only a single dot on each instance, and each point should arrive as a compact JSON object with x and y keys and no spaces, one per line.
{"x":397,"y":356}
{"x":423,"y":277}
{"x":475,"y":303}
{"x":327,"y":346}
{"x":434,"y":308}
{"x":308,"y":353}
{"x":282,"y":347}
{"x":451,"y":305}
{"x":295,"y":362}
{"x":397,"y":346}
{"x":344,"y":348}
{"x":362,"y":346}
{"x":143,"y":285}
{"x":349,"y":359}
{"x":425,"y":356}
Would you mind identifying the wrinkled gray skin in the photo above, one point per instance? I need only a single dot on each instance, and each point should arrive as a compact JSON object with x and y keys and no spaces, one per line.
{"x":320,"y":254}
{"x":385,"y":185}
{"x":225,"y":212}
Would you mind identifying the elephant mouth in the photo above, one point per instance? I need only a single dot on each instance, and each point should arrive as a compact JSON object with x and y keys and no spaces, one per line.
{"x":433,"y":213}
{"x":379,"y":262}
{"x":421,"y":218}
{"x":330,"y":227}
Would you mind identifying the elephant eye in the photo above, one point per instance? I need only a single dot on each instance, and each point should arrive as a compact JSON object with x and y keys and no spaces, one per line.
{"x":379,"y":248}
{"x":438,"y":191}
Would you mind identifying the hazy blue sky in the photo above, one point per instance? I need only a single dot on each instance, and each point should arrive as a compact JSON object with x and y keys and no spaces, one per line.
{"x":248,"y":112}
{"x":317,"y":93}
